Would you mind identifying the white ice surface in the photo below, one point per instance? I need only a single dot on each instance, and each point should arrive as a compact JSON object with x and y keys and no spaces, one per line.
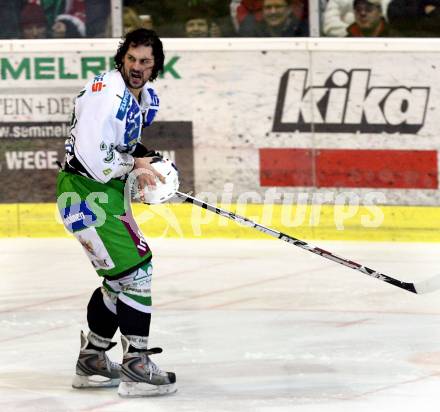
{"x":248,"y":326}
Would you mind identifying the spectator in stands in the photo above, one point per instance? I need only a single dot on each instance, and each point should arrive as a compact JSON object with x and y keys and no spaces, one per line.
{"x":170,"y":16}
{"x":339,"y":14}
{"x":219,"y":15}
{"x":98,"y":18}
{"x":415,"y":18}
{"x":10,"y":19}
{"x":369,"y":20}
{"x":277,"y":21}
{"x":33,"y":22}
{"x":71,"y":24}
{"x":64,"y":18}
{"x":147,"y":21}
{"x":239,"y":9}
{"x":198,"y":23}
{"x":65,"y":28}
{"x":131,"y":20}
{"x":52,"y":8}
{"x":165,"y":21}
{"x":200,"y":27}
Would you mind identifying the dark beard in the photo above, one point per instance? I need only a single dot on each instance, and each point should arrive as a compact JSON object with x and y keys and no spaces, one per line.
{"x":126,"y":78}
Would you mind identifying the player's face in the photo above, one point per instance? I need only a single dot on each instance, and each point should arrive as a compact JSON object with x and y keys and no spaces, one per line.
{"x":137,"y":66}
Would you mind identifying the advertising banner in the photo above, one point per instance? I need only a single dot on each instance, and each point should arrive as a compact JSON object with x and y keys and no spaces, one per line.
{"x":292,"y":119}
{"x":37,"y":91}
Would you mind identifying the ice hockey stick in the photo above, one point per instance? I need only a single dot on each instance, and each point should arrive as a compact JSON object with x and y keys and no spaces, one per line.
{"x":425,"y":286}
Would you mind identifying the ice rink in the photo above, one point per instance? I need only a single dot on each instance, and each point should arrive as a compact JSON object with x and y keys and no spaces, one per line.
{"x":247,"y":326}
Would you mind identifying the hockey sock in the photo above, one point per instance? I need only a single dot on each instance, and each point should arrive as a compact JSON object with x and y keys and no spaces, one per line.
{"x":101,"y":320}
{"x":133,"y":322}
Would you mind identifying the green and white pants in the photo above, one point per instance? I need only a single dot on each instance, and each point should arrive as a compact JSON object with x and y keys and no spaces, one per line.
{"x":99,"y":216}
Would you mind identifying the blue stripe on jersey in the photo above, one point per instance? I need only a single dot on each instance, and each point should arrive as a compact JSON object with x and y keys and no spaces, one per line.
{"x":132,"y":125}
{"x":124,"y":105}
{"x":149,"y":117}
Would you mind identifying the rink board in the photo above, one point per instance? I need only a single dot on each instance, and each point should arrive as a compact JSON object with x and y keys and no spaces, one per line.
{"x":326,"y":222}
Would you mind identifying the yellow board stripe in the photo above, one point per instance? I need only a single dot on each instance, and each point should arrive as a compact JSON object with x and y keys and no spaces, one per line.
{"x":375,"y":223}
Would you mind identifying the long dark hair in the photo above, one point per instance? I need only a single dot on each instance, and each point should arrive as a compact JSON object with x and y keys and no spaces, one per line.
{"x":142,"y":37}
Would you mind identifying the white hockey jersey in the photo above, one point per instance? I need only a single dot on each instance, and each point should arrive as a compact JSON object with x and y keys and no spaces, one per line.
{"x":106,"y":126}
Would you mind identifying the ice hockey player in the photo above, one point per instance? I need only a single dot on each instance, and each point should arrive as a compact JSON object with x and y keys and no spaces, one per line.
{"x":103,"y":148}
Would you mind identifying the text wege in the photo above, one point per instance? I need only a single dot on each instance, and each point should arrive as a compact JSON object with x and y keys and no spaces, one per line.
{"x":31,"y":160}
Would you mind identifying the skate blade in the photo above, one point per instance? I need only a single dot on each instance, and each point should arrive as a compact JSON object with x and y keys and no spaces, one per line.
{"x":94,"y":381}
{"x":143,"y":389}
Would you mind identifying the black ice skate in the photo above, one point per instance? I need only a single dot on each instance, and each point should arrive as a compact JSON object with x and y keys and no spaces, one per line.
{"x":94,"y":369}
{"x":142,"y":377}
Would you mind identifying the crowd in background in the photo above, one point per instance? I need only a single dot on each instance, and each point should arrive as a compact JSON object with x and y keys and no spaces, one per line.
{"x":37,"y":19}
{"x":381,"y":18}
{"x":40,"y":19}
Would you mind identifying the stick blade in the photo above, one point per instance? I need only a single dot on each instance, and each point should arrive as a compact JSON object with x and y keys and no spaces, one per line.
{"x":429,"y":285}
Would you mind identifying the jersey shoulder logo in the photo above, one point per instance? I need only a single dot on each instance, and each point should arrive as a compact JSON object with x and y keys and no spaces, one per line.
{"x":98,"y":83}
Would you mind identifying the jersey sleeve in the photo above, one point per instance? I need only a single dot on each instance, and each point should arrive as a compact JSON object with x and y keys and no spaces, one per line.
{"x":96,"y":131}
